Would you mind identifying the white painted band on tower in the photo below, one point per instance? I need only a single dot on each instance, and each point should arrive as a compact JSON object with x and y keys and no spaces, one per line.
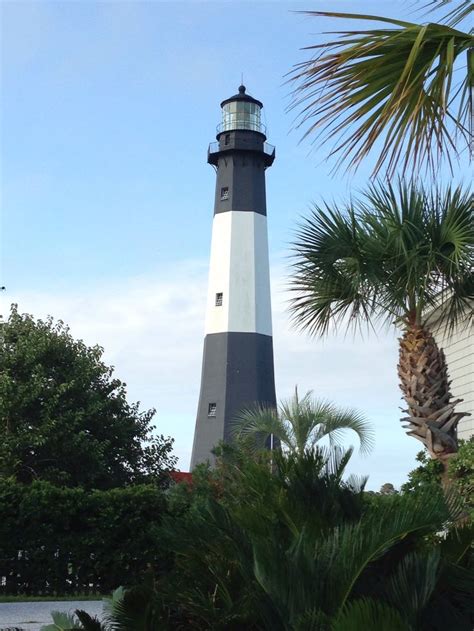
{"x":239,"y":277}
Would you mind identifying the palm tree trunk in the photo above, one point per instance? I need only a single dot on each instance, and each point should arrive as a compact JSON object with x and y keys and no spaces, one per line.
{"x":425,"y":384}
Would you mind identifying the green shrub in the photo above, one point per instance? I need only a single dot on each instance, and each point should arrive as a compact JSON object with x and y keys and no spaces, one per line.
{"x":66,"y":540}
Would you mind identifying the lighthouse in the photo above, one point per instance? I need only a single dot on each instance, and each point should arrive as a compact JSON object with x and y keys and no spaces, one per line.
{"x":237,"y":367}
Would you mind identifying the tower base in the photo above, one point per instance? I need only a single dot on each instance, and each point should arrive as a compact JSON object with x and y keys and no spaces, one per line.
{"x":237,"y":372}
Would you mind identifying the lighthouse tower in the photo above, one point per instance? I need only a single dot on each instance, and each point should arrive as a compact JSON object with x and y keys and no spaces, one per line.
{"x":237,"y":369}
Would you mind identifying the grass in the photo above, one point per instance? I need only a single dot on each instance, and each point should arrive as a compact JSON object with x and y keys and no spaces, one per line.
{"x":23,"y":598}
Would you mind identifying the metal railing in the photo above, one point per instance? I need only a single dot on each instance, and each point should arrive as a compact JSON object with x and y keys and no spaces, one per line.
{"x":268,"y":149}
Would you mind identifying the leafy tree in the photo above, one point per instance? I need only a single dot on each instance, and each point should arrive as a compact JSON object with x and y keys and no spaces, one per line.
{"x":300,"y":423}
{"x":404,"y":91}
{"x":427,"y":474}
{"x":392,"y":256}
{"x":64,"y":417}
{"x":460,"y":470}
{"x":387,"y":489}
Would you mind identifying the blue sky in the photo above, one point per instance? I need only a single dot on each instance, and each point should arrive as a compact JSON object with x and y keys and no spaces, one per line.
{"x":107,"y":112}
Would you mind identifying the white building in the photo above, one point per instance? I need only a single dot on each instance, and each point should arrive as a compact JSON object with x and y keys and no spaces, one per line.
{"x":459,"y":351}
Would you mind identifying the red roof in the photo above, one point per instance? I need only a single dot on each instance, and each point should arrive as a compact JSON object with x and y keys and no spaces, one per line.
{"x":181,"y":476}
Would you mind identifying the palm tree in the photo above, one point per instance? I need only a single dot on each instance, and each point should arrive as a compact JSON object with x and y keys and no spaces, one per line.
{"x":299,"y":424}
{"x":392,"y":256}
{"x":406,"y":90}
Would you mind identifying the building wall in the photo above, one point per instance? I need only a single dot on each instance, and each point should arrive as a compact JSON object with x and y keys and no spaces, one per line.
{"x":459,"y":351}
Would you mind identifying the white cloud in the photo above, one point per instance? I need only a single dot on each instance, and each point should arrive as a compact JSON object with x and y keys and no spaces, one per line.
{"x":151,"y":328}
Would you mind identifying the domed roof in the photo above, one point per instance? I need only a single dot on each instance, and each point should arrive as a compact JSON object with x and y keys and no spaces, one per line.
{"x":242,"y":96}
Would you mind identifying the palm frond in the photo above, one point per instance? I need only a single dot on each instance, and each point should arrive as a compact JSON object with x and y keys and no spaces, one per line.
{"x":461,"y":10}
{"x":88,"y":622}
{"x":299,"y":424}
{"x":358,"y":546}
{"x":334,"y":421}
{"x":336,"y":460}
{"x":432,"y":592}
{"x":412,"y":584}
{"x":457,"y":543}
{"x":130,"y":609}
{"x":357,"y":483}
{"x":312,"y":620}
{"x":325,"y":569}
{"x":393,"y":84}
{"x":62,"y":621}
{"x":255,"y":424}
{"x":411,"y":251}
{"x":109,"y":602}
{"x":333,"y":279}
{"x":368,"y":615}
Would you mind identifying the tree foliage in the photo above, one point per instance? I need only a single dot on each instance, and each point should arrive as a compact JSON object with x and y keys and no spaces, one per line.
{"x":64,"y":416}
{"x":461,"y":474}
{"x":295,"y":546}
{"x":404,"y":90}
{"x":58,"y":541}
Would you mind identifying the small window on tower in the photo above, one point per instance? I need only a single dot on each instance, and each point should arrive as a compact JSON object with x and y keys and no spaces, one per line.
{"x":219,"y":297}
{"x":224,"y":192}
{"x":211,"y":411}
{"x":227,"y":139}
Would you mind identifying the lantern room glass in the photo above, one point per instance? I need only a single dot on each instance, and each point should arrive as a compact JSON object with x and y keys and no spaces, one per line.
{"x":241,"y":115}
